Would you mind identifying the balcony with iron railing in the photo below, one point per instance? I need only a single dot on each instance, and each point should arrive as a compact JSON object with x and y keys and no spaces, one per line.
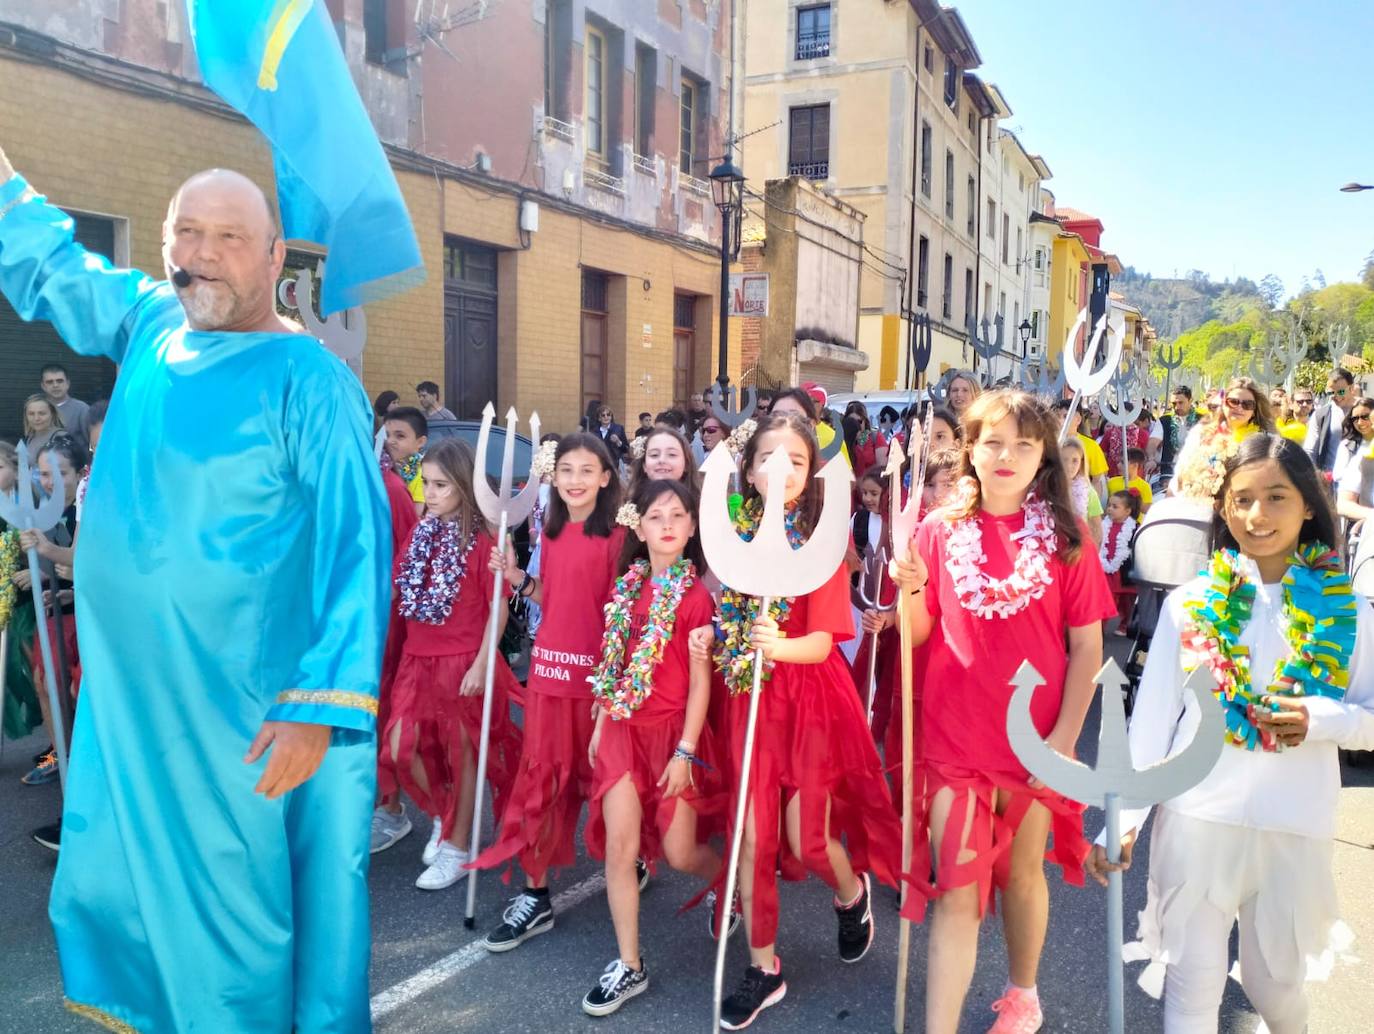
{"x":811,"y":47}
{"x":557,"y":128}
{"x":809,"y":170}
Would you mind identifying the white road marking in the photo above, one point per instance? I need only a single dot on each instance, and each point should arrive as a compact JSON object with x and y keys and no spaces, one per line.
{"x":388,"y":1001}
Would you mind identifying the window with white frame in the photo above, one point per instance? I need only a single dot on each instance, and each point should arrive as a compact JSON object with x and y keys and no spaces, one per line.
{"x":813,"y":32}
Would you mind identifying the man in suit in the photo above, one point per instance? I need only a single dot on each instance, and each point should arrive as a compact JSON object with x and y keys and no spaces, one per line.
{"x":1324,"y":429}
{"x":611,"y":433}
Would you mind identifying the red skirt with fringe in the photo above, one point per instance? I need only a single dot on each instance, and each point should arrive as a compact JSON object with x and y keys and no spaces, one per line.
{"x":973,"y":824}
{"x":812,"y":742}
{"x":539,"y":824}
{"x":641,"y":748}
{"x":72,"y":654}
{"x":387,"y":783}
{"x":438,"y":725}
{"x":887,"y":674}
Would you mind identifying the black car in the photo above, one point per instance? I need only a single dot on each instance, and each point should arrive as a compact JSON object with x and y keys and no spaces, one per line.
{"x":467,"y":430}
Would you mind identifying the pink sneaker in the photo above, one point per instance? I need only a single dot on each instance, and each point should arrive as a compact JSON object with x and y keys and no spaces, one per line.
{"x":1019,"y":1012}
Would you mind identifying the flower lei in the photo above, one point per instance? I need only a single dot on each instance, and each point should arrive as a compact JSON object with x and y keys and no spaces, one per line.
{"x":1079,"y":489}
{"x":432,"y":572}
{"x":1116,"y":545}
{"x":1319,"y":625}
{"x":734,"y":656}
{"x":621,"y":686}
{"x":10,"y":558}
{"x":410,"y":467}
{"x":1030,"y":577}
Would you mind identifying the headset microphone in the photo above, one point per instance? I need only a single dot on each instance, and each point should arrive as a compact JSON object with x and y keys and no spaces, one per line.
{"x":181,"y":278}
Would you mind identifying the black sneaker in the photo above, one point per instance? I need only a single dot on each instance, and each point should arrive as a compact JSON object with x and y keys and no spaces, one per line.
{"x":48,"y":836}
{"x":735,"y":915}
{"x":642,"y":871}
{"x":617,"y":985}
{"x":856,"y":926}
{"x":756,"y":992}
{"x":528,"y":914}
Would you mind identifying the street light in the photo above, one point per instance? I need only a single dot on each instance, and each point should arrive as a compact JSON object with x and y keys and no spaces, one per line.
{"x":1025,"y":329}
{"x":727,"y":190}
{"x":1355,"y":188}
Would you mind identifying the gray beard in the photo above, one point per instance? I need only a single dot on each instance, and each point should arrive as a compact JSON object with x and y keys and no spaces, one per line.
{"x":209,"y":310}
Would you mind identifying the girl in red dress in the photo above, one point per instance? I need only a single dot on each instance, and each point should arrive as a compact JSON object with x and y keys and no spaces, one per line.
{"x":443,"y":592}
{"x":1123,"y":515}
{"x":815,"y":766}
{"x":580,"y":550}
{"x":653,"y":760}
{"x":1006,"y":563}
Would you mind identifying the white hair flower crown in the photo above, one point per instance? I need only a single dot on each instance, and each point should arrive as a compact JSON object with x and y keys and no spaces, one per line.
{"x":638,"y":446}
{"x":542,"y":464}
{"x":740,"y":436}
{"x":628,"y":515}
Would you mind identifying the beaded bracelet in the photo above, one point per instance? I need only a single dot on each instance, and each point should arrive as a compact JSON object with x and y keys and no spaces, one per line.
{"x":686,"y":755}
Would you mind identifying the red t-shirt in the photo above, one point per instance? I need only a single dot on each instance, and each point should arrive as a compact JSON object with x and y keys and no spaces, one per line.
{"x":969,"y":661}
{"x":672,"y":674}
{"x":467,"y":622}
{"x":403,"y":516}
{"x":578,"y":572}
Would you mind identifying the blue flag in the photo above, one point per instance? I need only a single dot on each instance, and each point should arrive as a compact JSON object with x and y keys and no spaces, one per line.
{"x":278,"y":62}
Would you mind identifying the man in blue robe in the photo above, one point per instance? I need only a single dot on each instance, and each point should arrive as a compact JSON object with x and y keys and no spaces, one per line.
{"x":231,"y":598}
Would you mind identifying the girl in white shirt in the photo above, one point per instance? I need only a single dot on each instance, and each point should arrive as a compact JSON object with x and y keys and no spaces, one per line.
{"x":1252,"y":842}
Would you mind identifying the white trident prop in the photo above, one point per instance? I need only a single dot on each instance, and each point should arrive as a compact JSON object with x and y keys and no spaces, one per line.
{"x":766,"y":567}
{"x":23,"y":513}
{"x":902,"y":525}
{"x":506,"y":510}
{"x":1085,"y":377}
{"x":1115,"y":782}
{"x":870,"y":594}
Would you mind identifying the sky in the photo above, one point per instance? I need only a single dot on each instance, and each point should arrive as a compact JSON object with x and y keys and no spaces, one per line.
{"x":1205,"y":134}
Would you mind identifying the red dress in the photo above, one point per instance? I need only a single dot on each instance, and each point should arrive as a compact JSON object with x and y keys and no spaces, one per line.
{"x":812,"y":741}
{"x":641,"y":745}
{"x":969,"y":662}
{"x":403,"y":521}
{"x":436,"y":723}
{"x":539,"y":824}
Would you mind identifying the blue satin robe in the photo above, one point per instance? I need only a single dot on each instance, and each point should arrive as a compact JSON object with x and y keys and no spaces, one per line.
{"x":233,"y":568}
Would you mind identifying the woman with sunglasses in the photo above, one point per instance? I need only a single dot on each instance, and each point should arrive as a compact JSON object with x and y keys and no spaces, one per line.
{"x":1244,"y":410}
{"x":1354,"y":472}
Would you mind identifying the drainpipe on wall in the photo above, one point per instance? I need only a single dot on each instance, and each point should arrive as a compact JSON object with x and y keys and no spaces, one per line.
{"x":909,"y":303}
{"x":977,"y":237}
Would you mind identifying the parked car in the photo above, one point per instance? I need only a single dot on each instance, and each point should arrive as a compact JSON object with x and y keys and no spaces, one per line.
{"x":467,"y":430}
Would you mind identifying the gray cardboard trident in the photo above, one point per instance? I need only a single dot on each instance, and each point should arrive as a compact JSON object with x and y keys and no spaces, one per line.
{"x":1115,"y":782}
{"x":23,"y":513}
{"x":506,"y":510}
{"x":766,"y":567}
{"x":725,"y":411}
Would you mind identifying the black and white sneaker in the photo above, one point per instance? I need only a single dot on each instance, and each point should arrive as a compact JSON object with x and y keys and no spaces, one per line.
{"x":856,"y":925}
{"x":618,"y":984}
{"x":527,"y":915}
{"x":48,"y":836}
{"x":735,"y":914}
{"x":642,"y":871}
{"x":756,"y":992}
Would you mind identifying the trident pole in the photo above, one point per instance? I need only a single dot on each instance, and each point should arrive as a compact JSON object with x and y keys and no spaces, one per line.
{"x":497,"y":600}
{"x":741,"y":813}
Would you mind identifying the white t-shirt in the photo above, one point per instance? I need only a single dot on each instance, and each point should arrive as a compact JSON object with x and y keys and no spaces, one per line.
{"x":1357,"y":475}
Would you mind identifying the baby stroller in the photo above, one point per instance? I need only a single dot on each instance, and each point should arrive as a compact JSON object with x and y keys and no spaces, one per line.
{"x":1170,"y":548}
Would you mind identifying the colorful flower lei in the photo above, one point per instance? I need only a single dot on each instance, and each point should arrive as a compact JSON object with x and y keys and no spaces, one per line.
{"x":734,"y":657}
{"x":11,"y":556}
{"x":432,"y":572}
{"x":410,"y":468}
{"x":621,"y":686}
{"x":1030,"y":577}
{"x":1116,"y":545}
{"x":1319,"y":624}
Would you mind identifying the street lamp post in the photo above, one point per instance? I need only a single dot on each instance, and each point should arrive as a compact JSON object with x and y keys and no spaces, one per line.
{"x":727,"y":189}
{"x":1025,"y":331}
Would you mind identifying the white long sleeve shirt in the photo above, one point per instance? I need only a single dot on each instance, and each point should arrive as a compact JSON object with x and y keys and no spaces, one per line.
{"x":1289,"y":791}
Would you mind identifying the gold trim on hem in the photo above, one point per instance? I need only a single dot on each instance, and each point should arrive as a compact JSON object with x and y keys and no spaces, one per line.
{"x":330,"y":697}
{"x":100,"y":1016}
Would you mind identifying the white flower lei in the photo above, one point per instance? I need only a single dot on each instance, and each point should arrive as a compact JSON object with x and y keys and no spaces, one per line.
{"x":988,"y":597}
{"x":1124,"y":532}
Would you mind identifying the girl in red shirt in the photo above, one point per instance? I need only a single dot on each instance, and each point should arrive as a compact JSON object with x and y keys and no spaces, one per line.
{"x":815,"y":766}
{"x":443,"y":593}
{"x":654,"y":762}
{"x":1007,"y":562}
{"x":580,"y":551}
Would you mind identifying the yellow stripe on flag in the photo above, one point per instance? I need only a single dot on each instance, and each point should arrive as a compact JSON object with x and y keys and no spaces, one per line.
{"x":284,"y":20}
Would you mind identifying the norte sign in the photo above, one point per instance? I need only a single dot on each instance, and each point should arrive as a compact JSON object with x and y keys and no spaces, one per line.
{"x":748,"y":294}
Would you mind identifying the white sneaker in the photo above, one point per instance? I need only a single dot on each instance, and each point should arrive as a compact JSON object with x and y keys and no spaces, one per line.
{"x":432,"y":848}
{"x":446,"y":870}
{"x":388,"y":828}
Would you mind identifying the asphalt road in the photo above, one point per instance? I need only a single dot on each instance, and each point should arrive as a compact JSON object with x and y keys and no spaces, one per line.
{"x":428,"y":975}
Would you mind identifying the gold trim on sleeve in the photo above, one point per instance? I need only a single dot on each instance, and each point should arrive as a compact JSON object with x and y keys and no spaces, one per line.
{"x":27,"y":194}
{"x":330,"y":697}
{"x":100,"y":1016}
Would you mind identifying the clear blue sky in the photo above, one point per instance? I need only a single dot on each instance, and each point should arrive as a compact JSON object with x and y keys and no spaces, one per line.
{"x":1205,"y":134}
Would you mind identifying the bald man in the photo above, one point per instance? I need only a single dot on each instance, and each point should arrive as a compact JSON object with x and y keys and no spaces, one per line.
{"x":231,"y":601}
